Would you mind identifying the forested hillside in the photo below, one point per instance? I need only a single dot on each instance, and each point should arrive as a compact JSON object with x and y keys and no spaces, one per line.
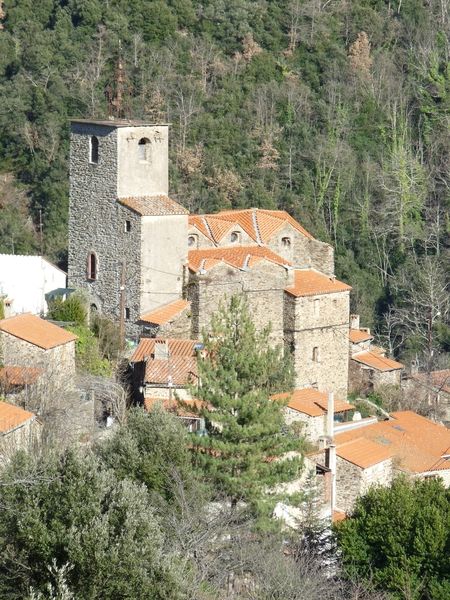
{"x":335,"y":110}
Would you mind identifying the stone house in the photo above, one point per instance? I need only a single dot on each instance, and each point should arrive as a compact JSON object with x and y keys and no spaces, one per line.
{"x":164,"y":368}
{"x":419,"y":447}
{"x":130,"y":245}
{"x":309,"y":408}
{"x":19,"y":430}
{"x":29,"y":341}
{"x":369,"y":367}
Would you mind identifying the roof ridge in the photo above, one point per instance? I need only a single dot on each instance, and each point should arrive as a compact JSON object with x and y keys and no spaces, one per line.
{"x":256,"y":226}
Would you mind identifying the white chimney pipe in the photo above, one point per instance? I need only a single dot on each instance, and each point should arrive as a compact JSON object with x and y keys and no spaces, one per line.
{"x":332,"y":467}
{"x":330,"y":416}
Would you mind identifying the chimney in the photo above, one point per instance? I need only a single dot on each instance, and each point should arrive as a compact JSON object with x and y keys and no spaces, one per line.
{"x":332,"y":466}
{"x":354,"y":321}
{"x":330,"y":416}
{"x":161,"y":350}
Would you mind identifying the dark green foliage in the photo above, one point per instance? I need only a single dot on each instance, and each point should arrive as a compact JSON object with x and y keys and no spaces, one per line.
{"x":72,"y":310}
{"x":398,"y":538}
{"x":69,"y":510}
{"x":150,"y":449}
{"x":245,"y":428}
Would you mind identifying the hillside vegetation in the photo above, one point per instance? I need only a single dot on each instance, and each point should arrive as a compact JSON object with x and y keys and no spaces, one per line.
{"x":337,"y":111}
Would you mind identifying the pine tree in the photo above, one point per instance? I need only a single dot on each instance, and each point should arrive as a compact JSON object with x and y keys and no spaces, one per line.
{"x":244,"y":452}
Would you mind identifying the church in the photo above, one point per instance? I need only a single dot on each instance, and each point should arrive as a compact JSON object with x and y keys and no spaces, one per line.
{"x":141,"y":257}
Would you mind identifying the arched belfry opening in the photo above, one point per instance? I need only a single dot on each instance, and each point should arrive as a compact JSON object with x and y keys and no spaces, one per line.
{"x":93,"y":150}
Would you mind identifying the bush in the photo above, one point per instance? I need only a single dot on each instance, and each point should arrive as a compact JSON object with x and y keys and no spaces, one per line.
{"x":73,"y":310}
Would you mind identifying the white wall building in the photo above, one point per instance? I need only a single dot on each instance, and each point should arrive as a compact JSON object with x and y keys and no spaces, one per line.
{"x":24,"y":281}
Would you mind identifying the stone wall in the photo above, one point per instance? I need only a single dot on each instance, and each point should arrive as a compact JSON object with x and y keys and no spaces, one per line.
{"x":364,"y":380}
{"x":319,"y":322}
{"x":25,"y":437}
{"x":178,"y":327}
{"x":313,"y":427}
{"x":353,"y":481}
{"x":58,"y":363}
{"x":263,"y":286}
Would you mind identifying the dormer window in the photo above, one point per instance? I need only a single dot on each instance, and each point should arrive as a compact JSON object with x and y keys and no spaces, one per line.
{"x":235,"y":237}
{"x":143,"y":149}
{"x":286,"y":242}
{"x":93,"y":150}
{"x":192,"y":241}
{"x":92,"y":266}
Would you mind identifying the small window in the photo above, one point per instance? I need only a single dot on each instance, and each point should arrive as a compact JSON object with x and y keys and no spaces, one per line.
{"x":315,"y":354}
{"x":94,"y":150}
{"x":127,"y":226}
{"x":315,"y":385}
{"x":235,"y":237}
{"x":127,"y":314}
{"x":92,"y":266}
{"x":286,"y":242}
{"x":192,"y":241}
{"x":143,"y":146}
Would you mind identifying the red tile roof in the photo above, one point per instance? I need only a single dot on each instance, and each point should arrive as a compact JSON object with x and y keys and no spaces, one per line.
{"x":357,"y":336}
{"x":36,"y":331}
{"x":375,"y":359}
{"x":363,"y":452}
{"x":12,"y":416}
{"x":146,"y":348}
{"x":166,"y":313}
{"x":19,"y":375}
{"x":175,"y":370}
{"x":311,"y":402}
{"x":259,"y":224}
{"x":417,"y":443}
{"x":149,"y":206}
{"x":240,"y":257}
{"x":309,"y":282}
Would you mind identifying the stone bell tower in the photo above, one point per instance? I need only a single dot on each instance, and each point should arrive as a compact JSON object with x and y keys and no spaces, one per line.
{"x":127,"y":238}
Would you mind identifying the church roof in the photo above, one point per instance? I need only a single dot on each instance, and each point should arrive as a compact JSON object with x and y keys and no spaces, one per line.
{"x":309,"y":282}
{"x":153,"y":206}
{"x":259,"y":224}
{"x":240,"y":257}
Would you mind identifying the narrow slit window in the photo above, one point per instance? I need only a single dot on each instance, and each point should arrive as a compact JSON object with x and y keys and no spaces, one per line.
{"x":143,"y":146}
{"x":127,"y":314}
{"x":92,"y":267}
{"x":94,"y":150}
{"x":127,"y":226}
{"x":315,"y":354}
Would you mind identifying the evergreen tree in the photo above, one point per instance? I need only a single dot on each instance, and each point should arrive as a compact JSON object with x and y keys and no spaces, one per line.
{"x":244,"y":451}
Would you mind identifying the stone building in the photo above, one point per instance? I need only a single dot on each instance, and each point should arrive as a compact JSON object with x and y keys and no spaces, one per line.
{"x":29,"y":341}
{"x":141,"y":257}
{"x":19,"y":430}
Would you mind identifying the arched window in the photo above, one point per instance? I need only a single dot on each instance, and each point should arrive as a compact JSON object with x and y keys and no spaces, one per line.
{"x":286,"y":242}
{"x":235,"y":237}
{"x":143,"y":147}
{"x":93,"y":147}
{"x":92,"y":266}
{"x":192,"y":241}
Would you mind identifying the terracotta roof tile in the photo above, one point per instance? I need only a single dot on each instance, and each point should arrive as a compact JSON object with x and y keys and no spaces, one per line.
{"x":176,"y":370}
{"x":12,"y":375}
{"x":312,"y":402}
{"x":12,"y":416}
{"x":259,"y":224}
{"x":166,"y":313}
{"x":375,"y":360}
{"x":363,"y":452}
{"x":36,"y":331}
{"x":176,"y":347}
{"x":417,"y":443}
{"x":240,"y":257}
{"x":149,"y":206}
{"x":357,"y":336}
{"x":309,"y":282}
